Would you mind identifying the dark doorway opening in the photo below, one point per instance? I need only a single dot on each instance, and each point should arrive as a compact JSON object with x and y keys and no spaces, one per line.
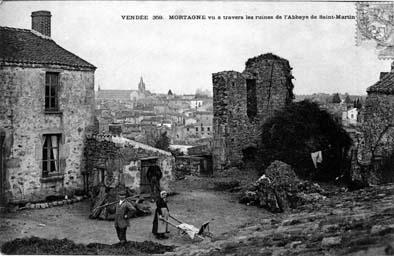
{"x":249,"y":157}
{"x":387,"y":169}
{"x":249,"y":154}
{"x":206,"y":166}
{"x":144,"y":183}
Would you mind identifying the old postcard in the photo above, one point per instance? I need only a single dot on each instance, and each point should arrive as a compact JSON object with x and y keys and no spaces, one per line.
{"x":196,"y":127}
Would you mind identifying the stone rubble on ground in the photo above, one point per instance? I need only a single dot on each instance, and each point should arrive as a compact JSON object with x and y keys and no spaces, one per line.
{"x":51,"y":204}
{"x":279,"y":189}
{"x":363,"y":225}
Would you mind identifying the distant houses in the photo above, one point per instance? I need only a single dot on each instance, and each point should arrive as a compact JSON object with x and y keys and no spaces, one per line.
{"x":186,"y":118}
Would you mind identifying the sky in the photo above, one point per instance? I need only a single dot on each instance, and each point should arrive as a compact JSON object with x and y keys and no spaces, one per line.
{"x":181,"y":55}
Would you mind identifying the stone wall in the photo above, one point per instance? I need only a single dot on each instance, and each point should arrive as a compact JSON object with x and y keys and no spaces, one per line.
{"x":187,"y":165}
{"x":375,"y":146}
{"x":117,"y":161}
{"x":378,"y":126}
{"x":376,"y":143}
{"x":22,"y":117}
{"x":239,"y":115}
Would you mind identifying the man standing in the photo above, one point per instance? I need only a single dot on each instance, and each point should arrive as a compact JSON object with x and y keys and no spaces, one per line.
{"x":121,"y":218}
{"x":154,"y":175}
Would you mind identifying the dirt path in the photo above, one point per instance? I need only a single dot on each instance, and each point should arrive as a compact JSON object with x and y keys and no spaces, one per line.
{"x":72,"y":222}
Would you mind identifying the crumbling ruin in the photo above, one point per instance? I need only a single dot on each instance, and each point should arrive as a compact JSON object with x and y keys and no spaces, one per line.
{"x":242,"y":102}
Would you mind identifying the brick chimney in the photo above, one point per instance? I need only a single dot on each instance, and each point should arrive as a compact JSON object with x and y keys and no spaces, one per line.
{"x":41,"y":22}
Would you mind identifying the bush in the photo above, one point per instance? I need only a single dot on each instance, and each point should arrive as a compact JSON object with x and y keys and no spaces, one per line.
{"x":292,"y":134}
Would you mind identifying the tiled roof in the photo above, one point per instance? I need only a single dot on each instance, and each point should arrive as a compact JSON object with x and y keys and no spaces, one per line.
{"x":23,"y":46}
{"x":384,"y":85}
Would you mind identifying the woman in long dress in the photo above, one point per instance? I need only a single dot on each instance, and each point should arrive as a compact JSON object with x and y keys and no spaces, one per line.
{"x":160,"y":227}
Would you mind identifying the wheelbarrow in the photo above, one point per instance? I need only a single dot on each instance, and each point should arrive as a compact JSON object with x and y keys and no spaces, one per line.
{"x":190,"y":230}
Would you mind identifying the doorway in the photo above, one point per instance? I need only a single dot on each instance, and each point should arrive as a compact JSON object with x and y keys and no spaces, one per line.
{"x":206,"y":166}
{"x":144,"y":183}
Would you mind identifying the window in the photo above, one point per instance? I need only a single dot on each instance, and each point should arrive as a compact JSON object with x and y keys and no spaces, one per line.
{"x":251,"y":100}
{"x":51,"y":91}
{"x":50,"y":155}
{"x":187,"y":129}
{"x":196,"y":129}
{"x":202,"y":128}
{"x":208,"y":129}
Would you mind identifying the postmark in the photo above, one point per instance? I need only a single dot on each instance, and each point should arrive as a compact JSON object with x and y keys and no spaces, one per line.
{"x":375,"y":24}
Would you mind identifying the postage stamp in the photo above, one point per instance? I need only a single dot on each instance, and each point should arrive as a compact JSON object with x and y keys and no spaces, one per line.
{"x":375,"y":23}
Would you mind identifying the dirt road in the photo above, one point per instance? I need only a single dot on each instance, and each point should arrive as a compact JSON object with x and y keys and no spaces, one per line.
{"x":72,"y":222}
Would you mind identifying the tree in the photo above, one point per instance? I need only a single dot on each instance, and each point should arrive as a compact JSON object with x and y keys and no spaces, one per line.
{"x":336,"y":98}
{"x":163,"y":142}
{"x":347,"y":99}
{"x":170,"y":92}
{"x":357,"y":104}
{"x":292,"y":134}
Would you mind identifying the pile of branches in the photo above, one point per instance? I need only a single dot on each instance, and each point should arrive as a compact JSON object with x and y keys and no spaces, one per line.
{"x":40,"y":246}
{"x":279,"y":189}
{"x":104,"y":201}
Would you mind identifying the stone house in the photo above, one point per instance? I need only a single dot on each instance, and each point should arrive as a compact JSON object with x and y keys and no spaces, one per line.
{"x":161,"y":108}
{"x":242,"y":102}
{"x":190,"y":121}
{"x":196,"y":103}
{"x":46,"y":107}
{"x":351,"y":116}
{"x":376,"y":145}
{"x":205,"y":117}
{"x":117,"y":161}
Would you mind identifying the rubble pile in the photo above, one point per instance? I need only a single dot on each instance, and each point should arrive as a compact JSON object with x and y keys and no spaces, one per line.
{"x":279,"y":189}
{"x":104,"y":202}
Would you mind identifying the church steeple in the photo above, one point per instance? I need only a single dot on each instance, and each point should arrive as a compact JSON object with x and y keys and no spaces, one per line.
{"x":141,"y":85}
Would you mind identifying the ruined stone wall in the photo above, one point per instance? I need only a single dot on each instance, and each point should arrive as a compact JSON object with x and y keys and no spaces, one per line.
{"x":119,"y":159}
{"x":235,"y":127}
{"x":22,"y":116}
{"x":185,"y":165}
